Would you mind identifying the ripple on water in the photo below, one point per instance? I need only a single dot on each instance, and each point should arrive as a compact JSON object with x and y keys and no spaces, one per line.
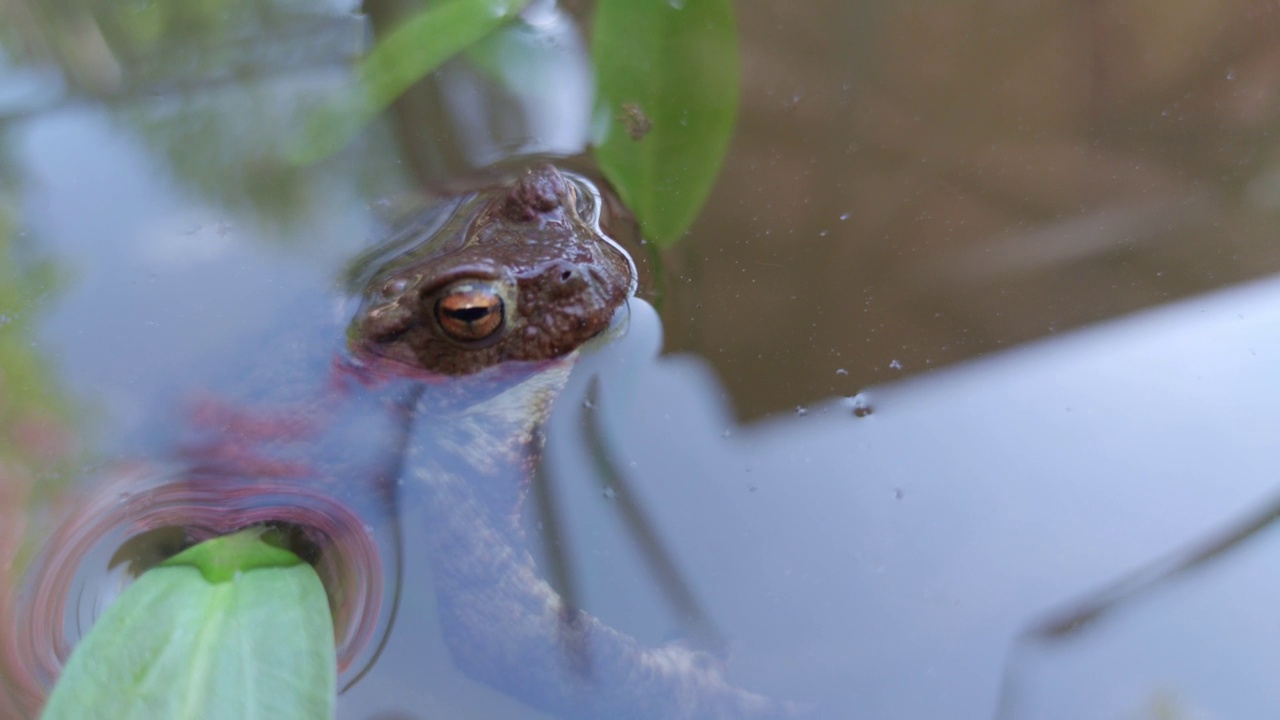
{"x":145,"y":512}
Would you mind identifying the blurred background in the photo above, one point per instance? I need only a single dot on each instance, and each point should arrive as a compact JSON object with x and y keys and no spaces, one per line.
{"x":917,"y":183}
{"x":910,"y":185}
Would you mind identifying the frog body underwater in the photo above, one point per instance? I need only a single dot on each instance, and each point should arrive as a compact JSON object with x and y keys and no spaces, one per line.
{"x":468,"y":321}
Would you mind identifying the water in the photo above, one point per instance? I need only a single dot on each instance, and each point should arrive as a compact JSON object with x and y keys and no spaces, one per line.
{"x":956,"y":183}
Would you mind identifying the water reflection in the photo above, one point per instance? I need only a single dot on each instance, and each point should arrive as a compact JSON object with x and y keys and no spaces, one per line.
{"x":883,"y":204}
{"x":885,"y":566}
{"x":122,"y":48}
{"x":145,"y":513}
{"x":38,"y":443}
{"x":929,"y":183}
{"x":1186,"y":636}
{"x":524,"y":90}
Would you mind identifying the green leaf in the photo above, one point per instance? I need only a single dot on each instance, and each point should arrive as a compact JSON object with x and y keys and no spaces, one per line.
{"x":256,"y":642}
{"x":667,"y":103}
{"x":401,"y":58}
{"x":221,"y":558}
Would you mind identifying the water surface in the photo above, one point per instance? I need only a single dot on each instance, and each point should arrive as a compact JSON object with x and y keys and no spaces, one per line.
{"x":954,"y":210}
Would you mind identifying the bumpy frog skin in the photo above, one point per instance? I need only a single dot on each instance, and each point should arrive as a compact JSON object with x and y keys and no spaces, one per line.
{"x":521,"y":274}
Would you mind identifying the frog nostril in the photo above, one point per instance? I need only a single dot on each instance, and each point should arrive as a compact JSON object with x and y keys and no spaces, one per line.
{"x":395,"y":287}
{"x":565,"y":275}
{"x":385,"y":324}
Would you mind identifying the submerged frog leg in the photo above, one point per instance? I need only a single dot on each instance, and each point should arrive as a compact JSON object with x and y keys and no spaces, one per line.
{"x":503,"y":623}
{"x":504,"y":626}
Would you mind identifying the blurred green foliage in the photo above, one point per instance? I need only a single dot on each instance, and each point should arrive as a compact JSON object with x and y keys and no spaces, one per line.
{"x":225,"y":145}
{"x":37,"y":442}
{"x":667,"y":87}
{"x":104,"y":47}
{"x":33,"y":410}
{"x":667,"y":93}
{"x":401,"y":58}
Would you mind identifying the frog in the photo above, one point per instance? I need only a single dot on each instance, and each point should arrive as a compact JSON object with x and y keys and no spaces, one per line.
{"x":502,"y":296}
{"x":531,"y":277}
{"x":467,"y":323}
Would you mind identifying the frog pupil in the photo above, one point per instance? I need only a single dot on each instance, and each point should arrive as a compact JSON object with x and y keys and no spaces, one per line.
{"x":469,"y":314}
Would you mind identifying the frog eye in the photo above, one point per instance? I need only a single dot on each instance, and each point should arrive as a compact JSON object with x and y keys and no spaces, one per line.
{"x":469,"y":313}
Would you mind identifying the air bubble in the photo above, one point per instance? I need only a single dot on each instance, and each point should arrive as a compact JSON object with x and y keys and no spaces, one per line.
{"x":859,"y":404}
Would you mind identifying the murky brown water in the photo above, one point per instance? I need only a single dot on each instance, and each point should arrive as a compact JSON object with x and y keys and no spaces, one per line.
{"x":927,"y":182}
{"x":912,"y":185}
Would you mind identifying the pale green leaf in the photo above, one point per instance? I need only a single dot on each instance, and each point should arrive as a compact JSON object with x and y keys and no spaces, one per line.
{"x":256,"y":642}
{"x":667,"y":83}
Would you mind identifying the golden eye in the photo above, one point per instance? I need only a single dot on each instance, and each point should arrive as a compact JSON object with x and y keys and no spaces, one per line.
{"x":469,"y":313}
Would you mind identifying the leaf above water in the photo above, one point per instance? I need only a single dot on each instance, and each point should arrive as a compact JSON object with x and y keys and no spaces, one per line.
{"x":668,"y":101}
{"x":401,"y":58}
{"x":231,"y":628}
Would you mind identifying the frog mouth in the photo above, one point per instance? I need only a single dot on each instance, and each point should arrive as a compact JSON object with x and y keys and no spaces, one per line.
{"x":385,"y":322}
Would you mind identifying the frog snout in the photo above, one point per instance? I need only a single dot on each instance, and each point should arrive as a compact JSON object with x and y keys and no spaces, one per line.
{"x":385,"y":322}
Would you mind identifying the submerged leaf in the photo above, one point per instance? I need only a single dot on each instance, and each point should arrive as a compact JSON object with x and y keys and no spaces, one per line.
{"x":401,"y":58}
{"x":668,"y":100}
{"x":232,"y":628}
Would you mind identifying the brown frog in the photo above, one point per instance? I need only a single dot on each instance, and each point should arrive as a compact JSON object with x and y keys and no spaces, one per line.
{"x":517,"y":276}
{"x":524,"y":273}
{"x":521,"y":273}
